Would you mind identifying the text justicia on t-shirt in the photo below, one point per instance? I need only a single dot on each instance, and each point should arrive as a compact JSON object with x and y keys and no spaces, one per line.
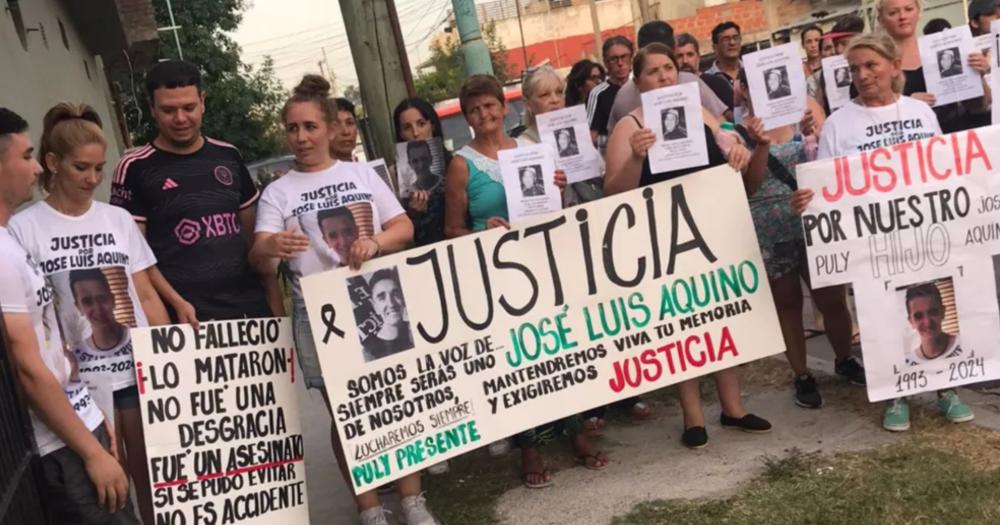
{"x":327,"y":202}
{"x":893,"y":126}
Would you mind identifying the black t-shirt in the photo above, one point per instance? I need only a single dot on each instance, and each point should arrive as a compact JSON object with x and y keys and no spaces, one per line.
{"x":721,"y":86}
{"x":949,"y":115}
{"x":190,"y":206}
{"x":600,"y":111}
{"x":715,"y":158}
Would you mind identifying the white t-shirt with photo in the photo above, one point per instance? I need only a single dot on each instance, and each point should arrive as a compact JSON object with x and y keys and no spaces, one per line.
{"x":297,"y":200}
{"x":23,"y":290}
{"x":855,"y":128}
{"x":102,"y":238}
{"x":914,"y":357}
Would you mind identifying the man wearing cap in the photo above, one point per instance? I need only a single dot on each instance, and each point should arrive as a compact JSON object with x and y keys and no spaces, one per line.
{"x":840,"y":36}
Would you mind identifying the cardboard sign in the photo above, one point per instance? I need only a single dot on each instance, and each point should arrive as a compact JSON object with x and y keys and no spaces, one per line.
{"x":916,"y":228}
{"x":433,"y":352}
{"x":221,"y":420}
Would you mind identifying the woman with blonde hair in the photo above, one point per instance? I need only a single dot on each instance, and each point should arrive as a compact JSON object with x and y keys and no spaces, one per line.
{"x":374,"y":224}
{"x":869,"y":122}
{"x":900,"y":20}
{"x":106,"y":289}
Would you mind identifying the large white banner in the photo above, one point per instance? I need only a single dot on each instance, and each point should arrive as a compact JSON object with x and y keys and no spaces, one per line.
{"x":433,"y":352}
{"x":916,"y":228}
{"x":221,"y":419}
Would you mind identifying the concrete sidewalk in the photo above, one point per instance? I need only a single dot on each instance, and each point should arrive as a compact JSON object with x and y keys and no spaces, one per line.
{"x":648,"y":461}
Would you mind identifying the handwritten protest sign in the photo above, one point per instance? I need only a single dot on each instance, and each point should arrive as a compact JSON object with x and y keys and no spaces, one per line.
{"x":221,"y":420}
{"x":916,"y":228}
{"x":436,"y":351}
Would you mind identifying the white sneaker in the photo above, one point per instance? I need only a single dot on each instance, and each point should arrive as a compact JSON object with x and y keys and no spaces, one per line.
{"x":374,"y":516}
{"x":438,"y":468}
{"x":415,"y":511}
{"x":499,"y":448}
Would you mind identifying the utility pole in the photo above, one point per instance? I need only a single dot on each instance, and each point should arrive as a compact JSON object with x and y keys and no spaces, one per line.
{"x":175,"y":28}
{"x":598,"y":41}
{"x":477,"y":55}
{"x":330,"y":75}
{"x":384,"y":76}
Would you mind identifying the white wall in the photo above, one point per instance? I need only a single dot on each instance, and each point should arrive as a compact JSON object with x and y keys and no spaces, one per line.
{"x":33,"y":80}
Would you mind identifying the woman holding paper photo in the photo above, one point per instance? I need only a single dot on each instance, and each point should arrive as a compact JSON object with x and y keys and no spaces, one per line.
{"x":877,"y":73}
{"x":655,"y":66}
{"x":544,"y":90}
{"x":378,"y":225}
{"x":900,"y":20}
{"x":770,"y":182}
{"x":475,"y":200}
{"x":415,"y":119}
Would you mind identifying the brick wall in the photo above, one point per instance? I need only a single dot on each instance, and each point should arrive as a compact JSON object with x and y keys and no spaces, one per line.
{"x":749,"y":14}
{"x":139,"y":20}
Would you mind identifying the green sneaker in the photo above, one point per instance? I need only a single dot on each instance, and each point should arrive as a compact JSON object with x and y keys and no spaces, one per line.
{"x":955,"y":410}
{"x":897,"y":416}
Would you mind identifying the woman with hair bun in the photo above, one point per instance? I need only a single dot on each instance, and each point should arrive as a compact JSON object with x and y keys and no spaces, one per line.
{"x":99,"y":265}
{"x":297,"y":221}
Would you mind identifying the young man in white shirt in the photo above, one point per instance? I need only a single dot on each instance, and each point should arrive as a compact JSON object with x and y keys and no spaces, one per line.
{"x":82,"y":482}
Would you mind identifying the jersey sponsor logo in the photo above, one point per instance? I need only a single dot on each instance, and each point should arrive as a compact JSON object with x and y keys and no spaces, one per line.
{"x":189,"y":231}
{"x":120,"y":195}
{"x":224,"y":175}
{"x":169,"y":184}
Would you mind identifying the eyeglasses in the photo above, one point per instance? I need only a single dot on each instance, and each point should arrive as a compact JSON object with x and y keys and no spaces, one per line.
{"x":734,"y":39}
{"x":596,"y":78}
{"x":619,"y":58}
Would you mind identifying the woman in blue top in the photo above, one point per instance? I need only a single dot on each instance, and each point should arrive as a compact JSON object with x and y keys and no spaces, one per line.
{"x":474,"y":201}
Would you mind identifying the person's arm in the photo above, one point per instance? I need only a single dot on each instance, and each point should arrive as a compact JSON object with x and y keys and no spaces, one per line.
{"x":184,"y":310}
{"x":456,"y":199}
{"x":627,"y":148}
{"x":753,"y":177}
{"x":153,"y":307}
{"x":248,"y":218}
{"x":396,"y":235}
{"x":48,"y":399}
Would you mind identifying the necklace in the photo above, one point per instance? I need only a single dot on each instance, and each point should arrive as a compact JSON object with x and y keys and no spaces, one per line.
{"x":872,"y":116}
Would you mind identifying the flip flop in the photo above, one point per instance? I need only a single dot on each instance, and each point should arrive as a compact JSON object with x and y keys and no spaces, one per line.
{"x":640,"y":411}
{"x":594,"y":426}
{"x":541,"y":475}
{"x":596,"y":458}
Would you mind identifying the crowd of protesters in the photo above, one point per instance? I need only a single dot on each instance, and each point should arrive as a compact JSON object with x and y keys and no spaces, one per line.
{"x":183,"y":175}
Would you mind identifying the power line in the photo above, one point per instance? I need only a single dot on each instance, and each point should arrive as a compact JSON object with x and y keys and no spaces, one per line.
{"x":433,"y":29}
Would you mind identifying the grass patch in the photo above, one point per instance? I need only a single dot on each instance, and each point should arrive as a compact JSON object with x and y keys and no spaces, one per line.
{"x":903,"y":483}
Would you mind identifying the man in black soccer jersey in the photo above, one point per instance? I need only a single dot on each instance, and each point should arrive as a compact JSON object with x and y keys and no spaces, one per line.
{"x":194,"y":200}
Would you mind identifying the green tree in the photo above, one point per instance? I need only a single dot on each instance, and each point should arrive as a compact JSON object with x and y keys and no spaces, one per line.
{"x":446,"y":67}
{"x":243,"y":103}
{"x":353,"y":94}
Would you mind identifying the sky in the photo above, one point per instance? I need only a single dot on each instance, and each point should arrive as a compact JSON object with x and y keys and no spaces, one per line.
{"x":295,"y":33}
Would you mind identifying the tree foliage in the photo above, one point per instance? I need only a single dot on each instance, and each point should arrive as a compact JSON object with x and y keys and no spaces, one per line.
{"x":445,"y":70}
{"x":243,"y":103}
{"x":353,"y":94}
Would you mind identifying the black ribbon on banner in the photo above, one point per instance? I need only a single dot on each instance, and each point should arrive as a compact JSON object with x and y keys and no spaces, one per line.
{"x":328,"y":313}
